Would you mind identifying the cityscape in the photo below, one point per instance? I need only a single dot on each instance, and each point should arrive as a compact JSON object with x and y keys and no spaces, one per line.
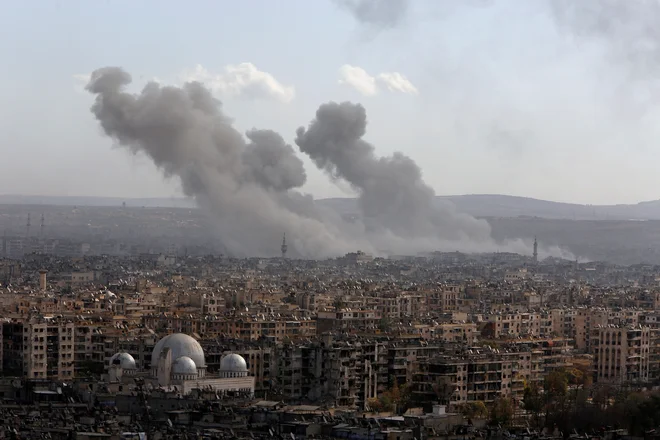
{"x":330,"y":220}
{"x":443,"y":346}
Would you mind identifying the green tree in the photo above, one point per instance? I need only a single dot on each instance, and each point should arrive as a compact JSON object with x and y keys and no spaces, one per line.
{"x":501,"y":412}
{"x":556,"y":384}
{"x":474,"y":410}
{"x":533,"y":403}
{"x":385,"y":325}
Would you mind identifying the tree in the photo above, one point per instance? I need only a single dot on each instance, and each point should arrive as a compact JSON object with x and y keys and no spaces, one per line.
{"x":501,"y":413}
{"x":405,"y":397}
{"x":385,"y":324}
{"x":375,"y":404}
{"x":533,"y":403}
{"x":395,"y":398}
{"x":474,"y":410}
{"x":556,"y":384}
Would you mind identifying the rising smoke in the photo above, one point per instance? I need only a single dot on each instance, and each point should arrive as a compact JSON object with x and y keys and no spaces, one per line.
{"x":250,"y":186}
{"x":245,"y":186}
{"x":392,"y":195}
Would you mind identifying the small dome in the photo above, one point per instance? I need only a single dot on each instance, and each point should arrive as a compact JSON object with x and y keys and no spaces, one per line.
{"x":184,"y":365}
{"x":124,"y":360}
{"x":180,"y":345}
{"x":233,"y":363}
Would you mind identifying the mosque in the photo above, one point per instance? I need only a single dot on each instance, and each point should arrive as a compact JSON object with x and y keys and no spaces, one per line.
{"x":177,"y":362}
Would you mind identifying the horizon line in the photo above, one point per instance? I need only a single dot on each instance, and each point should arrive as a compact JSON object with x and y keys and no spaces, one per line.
{"x":184,"y":198}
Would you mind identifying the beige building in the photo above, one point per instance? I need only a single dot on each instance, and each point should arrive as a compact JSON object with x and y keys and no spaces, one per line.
{"x":621,"y":354}
{"x":347,"y":319}
{"x":40,"y":349}
{"x":480,"y":377}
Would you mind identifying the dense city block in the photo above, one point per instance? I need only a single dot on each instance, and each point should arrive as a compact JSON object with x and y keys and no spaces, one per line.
{"x":445,"y":346}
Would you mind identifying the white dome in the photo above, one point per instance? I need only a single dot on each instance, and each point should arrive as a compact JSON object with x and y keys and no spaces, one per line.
{"x":124,"y":360}
{"x":233,"y":363}
{"x":180,"y":345}
{"x":184,"y":365}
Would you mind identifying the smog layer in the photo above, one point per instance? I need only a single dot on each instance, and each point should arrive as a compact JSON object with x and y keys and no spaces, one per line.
{"x":250,"y":184}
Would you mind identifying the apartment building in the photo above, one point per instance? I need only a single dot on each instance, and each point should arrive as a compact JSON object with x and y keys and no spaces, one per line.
{"x":446,"y":298}
{"x":477,"y":376}
{"x":40,"y":348}
{"x":652,"y":321}
{"x":515,"y":325}
{"x":252,"y":328}
{"x":347,"y":319}
{"x":621,"y":353}
{"x":89,"y":348}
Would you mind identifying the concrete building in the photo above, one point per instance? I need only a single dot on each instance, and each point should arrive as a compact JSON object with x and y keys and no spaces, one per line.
{"x":621,"y":354}
{"x":40,"y":349}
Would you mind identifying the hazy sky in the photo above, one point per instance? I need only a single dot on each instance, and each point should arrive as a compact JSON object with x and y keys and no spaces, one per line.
{"x":487,"y":96}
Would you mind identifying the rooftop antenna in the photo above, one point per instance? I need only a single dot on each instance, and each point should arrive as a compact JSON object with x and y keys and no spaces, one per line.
{"x":284,"y":247}
{"x":27,"y":227}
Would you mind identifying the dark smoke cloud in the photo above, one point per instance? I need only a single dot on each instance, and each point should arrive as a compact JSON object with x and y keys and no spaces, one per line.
{"x":377,"y":13}
{"x":244,"y":186}
{"x":249,"y":186}
{"x":392,"y":193}
{"x":272,"y":162}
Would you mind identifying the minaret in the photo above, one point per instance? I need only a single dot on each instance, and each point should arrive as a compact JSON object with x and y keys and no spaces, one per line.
{"x":284,"y":247}
{"x":41,"y":227}
{"x":536,"y":251}
{"x":27,"y":227}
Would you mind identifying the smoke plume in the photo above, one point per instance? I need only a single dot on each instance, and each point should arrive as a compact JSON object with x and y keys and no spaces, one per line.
{"x":250,"y":184}
{"x":377,"y":13}
{"x":392,"y":194}
{"x":247,"y":187}
{"x":271,"y":162}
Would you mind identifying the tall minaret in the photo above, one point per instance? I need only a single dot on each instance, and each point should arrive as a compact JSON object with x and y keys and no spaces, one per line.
{"x":27,"y":227}
{"x":284,"y":247}
{"x":41,"y":227}
{"x":536,"y":251}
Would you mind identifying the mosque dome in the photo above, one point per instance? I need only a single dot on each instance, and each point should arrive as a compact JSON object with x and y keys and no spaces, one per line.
{"x":124,"y":360}
{"x":180,"y":345}
{"x":233,"y":363}
{"x":184,"y":366}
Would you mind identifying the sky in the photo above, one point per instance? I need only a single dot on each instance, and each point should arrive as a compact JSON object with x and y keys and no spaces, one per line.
{"x":488,"y":97}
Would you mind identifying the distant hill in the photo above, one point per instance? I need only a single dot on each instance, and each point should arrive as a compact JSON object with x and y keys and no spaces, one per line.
{"x":495,"y":205}
{"x":478,"y":205}
{"x":487,"y":205}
